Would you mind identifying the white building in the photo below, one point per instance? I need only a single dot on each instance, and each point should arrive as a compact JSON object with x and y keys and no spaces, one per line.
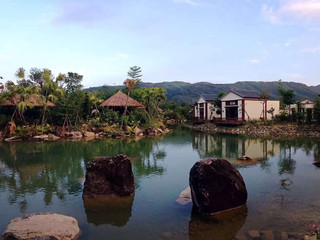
{"x":204,"y":108}
{"x":239,"y":106}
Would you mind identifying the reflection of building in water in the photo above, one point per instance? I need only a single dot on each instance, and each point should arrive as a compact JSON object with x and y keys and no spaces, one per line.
{"x":232,"y":147}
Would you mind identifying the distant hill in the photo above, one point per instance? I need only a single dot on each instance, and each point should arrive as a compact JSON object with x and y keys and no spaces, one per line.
{"x":183,"y":92}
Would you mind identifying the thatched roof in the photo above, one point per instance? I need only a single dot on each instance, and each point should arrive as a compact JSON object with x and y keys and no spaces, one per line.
{"x":33,"y":100}
{"x":120,"y":100}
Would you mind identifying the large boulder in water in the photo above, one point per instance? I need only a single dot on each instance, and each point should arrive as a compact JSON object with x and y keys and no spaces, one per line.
{"x":42,"y":226}
{"x":109,"y":176}
{"x":216,"y":186}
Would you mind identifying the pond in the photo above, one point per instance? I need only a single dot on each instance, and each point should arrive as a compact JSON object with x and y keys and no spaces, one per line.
{"x":282,"y":185}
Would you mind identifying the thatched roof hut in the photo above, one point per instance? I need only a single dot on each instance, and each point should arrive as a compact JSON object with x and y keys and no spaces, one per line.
{"x":33,"y":101}
{"x":121,"y":100}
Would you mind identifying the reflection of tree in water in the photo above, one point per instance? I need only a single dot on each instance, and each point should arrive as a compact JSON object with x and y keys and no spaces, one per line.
{"x":58,"y":168}
{"x":286,"y":164}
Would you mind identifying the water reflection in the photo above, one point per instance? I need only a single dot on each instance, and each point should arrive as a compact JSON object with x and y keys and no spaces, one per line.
{"x":233,"y":147}
{"x":115,"y":211}
{"x":220,"y":227}
{"x":58,"y":168}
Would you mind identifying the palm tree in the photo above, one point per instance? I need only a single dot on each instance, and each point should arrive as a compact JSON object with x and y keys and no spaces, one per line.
{"x":130,"y":84}
{"x":49,"y":91}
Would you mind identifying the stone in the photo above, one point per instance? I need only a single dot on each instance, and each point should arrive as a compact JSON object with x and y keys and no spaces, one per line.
{"x":53,"y":137}
{"x":13,"y":139}
{"x":137,"y":131}
{"x":284,"y":236}
{"x":42,"y":226}
{"x":216,"y":186}
{"x":244,"y":158}
{"x":89,"y":135}
{"x":74,"y":135}
{"x":316,"y":163}
{"x":185,"y":197}
{"x":109,"y":176}
{"x":254,"y":234}
{"x":267,"y":235}
{"x":42,"y":137}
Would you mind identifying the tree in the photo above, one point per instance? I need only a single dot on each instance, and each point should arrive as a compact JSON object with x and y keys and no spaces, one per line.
{"x":316,"y":110}
{"x":287,"y":96}
{"x":217,"y":102}
{"x":130,"y":84}
{"x":72,"y":82}
{"x":135,"y":73}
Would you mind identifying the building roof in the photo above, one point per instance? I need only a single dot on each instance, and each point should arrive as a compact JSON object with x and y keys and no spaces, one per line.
{"x":246,"y":93}
{"x":209,"y":97}
{"x":121,"y":100}
{"x":33,"y":101}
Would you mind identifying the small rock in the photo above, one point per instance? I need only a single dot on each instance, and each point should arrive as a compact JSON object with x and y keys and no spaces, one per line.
{"x":267,"y":235}
{"x":89,"y":135}
{"x":254,"y":234}
{"x":42,"y":137}
{"x":167,"y":235}
{"x":284,"y":236}
{"x":74,"y":135}
{"x":44,"y":226}
{"x":53,"y":137}
{"x":13,"y":139}
{"x":185,"y":197}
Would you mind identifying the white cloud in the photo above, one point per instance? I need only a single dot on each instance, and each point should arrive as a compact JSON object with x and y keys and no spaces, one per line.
{"x":293,"y":11}
{"x":287,"y":44}
{"x":255,"y":61}
{"x":190,"y":2}
{"x":314,"y":50}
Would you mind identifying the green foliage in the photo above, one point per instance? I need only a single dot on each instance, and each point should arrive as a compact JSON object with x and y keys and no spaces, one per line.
{"x":29,"y":131}
{"x":316,"y":110}
{"x":299,"y":117}
{"x":135,"y":73}
{"x":217,"y":102}
{"x":287,"y":96}
{"x":110,"y":117}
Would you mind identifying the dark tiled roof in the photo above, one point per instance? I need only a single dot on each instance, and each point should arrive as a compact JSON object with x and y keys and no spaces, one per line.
{"x":246,"y":93}
{"x":209,"y":97}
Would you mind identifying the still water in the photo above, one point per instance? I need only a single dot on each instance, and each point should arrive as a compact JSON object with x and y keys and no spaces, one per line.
{"x":282,"y":186}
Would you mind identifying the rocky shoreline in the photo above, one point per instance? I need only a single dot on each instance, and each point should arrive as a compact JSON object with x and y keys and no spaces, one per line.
{"x":277,"y":130}
{"x":86,"y":133}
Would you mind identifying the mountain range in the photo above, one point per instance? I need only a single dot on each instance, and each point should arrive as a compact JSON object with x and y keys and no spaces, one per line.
{"x":184,"y":92}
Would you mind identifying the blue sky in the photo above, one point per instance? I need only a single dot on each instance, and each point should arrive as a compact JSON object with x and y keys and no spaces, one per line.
{"x":218,"y":41}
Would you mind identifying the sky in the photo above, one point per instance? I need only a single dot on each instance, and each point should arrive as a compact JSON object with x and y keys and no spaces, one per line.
{"x":217,"y":41}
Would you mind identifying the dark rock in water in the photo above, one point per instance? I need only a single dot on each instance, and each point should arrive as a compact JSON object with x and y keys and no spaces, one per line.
{"x":216,"y":186}
{"x":317,"y":164}
{"x":42,"y":226}
{"x":113,"y":210}
{"x":109,"y":176}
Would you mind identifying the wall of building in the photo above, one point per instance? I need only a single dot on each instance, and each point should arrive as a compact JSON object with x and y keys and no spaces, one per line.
{"x":254,"y":109}
{"x":209,"y":110}
{"x":273,"y":104}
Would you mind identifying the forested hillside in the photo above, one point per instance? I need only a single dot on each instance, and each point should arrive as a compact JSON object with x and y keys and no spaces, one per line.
{"x":188,"y":92}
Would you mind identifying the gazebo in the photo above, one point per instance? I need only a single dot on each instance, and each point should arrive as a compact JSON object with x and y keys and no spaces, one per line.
{"x":121,"y":100}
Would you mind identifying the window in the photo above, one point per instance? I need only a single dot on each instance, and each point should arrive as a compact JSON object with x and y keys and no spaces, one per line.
{"x":228,"y":103}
